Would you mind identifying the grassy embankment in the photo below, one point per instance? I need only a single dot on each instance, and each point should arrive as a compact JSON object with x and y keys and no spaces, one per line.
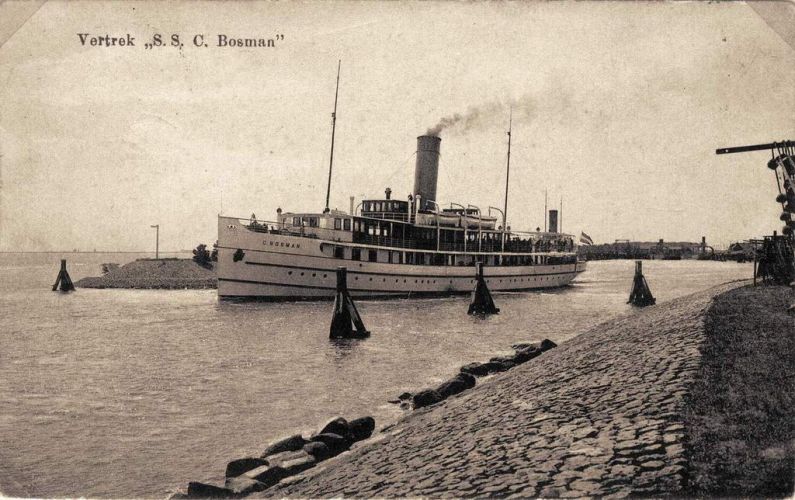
{"x":740,"y":416}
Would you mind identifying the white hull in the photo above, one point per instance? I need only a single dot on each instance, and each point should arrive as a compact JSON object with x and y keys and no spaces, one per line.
{"x":279,"y":267}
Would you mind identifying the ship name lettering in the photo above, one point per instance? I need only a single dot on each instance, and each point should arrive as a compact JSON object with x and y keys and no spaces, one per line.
{"x":227,"y":41}
{"x":281,"y":244}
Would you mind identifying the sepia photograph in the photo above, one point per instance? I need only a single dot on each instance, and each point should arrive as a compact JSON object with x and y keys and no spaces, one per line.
{"x":397,"y":249}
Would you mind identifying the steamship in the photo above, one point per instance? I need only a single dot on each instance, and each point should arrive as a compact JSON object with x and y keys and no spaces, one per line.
{"x":391,"y":248}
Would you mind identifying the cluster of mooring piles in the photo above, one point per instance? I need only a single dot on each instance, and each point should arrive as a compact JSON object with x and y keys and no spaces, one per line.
{"x":776,"y":256}
{"x":283,"y":459}
{"x":347,"y":323}
{"x":465,"y":379}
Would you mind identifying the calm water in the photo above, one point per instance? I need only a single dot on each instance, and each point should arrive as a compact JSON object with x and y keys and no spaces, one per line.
{"x":109,"y":393}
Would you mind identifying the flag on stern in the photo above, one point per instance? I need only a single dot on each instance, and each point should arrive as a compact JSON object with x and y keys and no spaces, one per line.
{"x":585,"y":239}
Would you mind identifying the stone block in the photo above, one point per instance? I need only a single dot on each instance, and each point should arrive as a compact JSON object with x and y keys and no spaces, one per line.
{"x":455,"y":385}
{"x":336,"y":443}
{"x":284,"y":456}
{"x":298,"y":464}
{"x":547,"y":344}
{"x":202,"y":490}
{"x":337,"y":426}
{"x":292,"y":443}
{"x":241,"y":465}
{"x":267,"y":474}
{"x":525,"y":355}
{"x":243,"y":485}
{"x":476,"y":369}
{"x":426,"y":398}
{"x":318,"y":450}
{"x":362,"y":428}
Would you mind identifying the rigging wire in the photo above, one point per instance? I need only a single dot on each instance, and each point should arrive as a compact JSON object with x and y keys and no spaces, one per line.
{"x":399,"y":167}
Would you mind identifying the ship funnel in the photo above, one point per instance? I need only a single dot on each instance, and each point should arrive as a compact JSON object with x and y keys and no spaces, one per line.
{"x":427,"y":168}
{"x":553,"y":221}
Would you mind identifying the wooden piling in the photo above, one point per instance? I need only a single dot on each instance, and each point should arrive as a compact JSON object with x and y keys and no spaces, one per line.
{"x":756,"y":259}
{"x":63,"y":279}
{"x":345,"y":321}
{"x":481,"y":303}
{"x":640,"y":295}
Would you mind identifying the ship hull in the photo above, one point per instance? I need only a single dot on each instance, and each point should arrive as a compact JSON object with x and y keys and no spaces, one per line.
{"x":270,"y":266}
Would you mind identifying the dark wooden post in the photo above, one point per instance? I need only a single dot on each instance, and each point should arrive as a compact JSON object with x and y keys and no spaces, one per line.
{"x":345,"y":316}
{"x":755,"y":261}
{"x":63,"y":279}
{"x":481,"y":303}
{"x":640,"y":295}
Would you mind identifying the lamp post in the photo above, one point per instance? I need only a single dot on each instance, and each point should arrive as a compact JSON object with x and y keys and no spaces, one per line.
{"x":157,"y":240}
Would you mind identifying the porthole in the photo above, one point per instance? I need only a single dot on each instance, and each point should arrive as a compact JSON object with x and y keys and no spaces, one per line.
{"x":289,"y":272}
{"x":371,"y":279}
{"x":325,"y":275}
{"x":313,"y":275}
{"x":302,"y":274}
{"x":356,"y":278}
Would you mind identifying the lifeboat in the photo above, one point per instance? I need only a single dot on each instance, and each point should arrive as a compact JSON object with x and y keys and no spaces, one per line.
{"x":444,"y":219}
{"x":475,"y":220}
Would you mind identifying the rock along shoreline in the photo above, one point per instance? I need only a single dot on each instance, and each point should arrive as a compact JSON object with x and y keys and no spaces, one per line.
{"x":607,"y":413}
{"x":171,"y":274}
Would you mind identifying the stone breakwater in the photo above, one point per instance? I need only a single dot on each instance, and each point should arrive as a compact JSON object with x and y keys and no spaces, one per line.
{"x":601,"y":415}
{"x":154,"y":273}
{"x":282,"y":459}
{"x":465,"y":378}
{"x":295,"y":454}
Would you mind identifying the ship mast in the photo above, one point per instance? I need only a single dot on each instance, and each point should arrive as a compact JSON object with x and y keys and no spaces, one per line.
{"x":507,"y":176}
{"x":333,"y":129}
{"x":507,"y":173}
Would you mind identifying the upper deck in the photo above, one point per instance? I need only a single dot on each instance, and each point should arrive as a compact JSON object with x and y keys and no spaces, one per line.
{"x":427,"y":231}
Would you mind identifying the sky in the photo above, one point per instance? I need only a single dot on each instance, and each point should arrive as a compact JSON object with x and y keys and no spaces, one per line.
{"x":617,"y":110}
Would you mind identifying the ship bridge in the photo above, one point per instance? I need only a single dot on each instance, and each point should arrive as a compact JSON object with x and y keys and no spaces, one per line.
{"x":387,"y":208}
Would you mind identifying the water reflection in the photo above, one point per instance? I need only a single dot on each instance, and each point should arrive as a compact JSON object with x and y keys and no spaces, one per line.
{"x":343,"y":348}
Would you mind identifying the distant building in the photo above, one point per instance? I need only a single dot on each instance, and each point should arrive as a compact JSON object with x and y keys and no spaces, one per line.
{"x":740,"y":251}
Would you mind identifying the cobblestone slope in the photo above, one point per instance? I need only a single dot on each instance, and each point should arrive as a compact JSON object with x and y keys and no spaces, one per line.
{"x":599,"y":415}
